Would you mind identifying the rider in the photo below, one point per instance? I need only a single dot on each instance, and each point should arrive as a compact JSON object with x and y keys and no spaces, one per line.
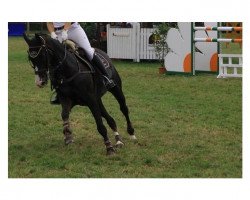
{"x":73,"y":31}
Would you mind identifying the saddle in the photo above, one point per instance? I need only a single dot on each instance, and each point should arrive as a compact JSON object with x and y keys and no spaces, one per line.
{"x":81,"y":55}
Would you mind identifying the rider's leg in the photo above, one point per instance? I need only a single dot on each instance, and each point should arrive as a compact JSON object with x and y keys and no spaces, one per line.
{"x":78,"y":35}
{"x":109,"y":83}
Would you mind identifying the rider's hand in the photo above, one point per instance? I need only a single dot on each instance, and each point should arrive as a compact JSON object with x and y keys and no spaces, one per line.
{"x":64,"y":35}
{"x":53,"y":35}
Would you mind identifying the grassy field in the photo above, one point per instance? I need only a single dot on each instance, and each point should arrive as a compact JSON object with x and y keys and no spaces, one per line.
{"x":186,"y":127}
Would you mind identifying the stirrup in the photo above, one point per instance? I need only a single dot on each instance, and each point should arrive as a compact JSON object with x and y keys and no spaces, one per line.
{"x":109,"y":83}
{"x":54,"y":99}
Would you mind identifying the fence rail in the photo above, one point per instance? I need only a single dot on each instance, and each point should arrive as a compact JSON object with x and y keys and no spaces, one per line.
{"x":130,"y":43}
{"x":226,"y":66}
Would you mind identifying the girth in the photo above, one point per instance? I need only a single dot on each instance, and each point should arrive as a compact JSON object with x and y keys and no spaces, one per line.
{"x":79,"y":58}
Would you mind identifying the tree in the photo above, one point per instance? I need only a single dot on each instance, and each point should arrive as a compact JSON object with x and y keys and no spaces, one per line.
{"x":160,"y":41}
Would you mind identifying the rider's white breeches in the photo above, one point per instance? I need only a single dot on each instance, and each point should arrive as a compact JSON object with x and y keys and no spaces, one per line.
{"x":78,"y":35}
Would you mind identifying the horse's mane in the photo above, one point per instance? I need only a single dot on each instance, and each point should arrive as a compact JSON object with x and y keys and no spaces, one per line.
{"x":55,"y":44}
{"x":59,"y":48}
{"x":42,"y":34}
{"x":48,"y":40}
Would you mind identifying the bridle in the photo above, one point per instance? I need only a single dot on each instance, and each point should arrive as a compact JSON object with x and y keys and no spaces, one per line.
{"x":34,"y":56}
{"x":48,"y":65}
{"x":48,"y":68}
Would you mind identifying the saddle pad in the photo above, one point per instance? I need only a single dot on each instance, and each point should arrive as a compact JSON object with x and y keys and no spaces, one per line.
{"x":104,"y":60}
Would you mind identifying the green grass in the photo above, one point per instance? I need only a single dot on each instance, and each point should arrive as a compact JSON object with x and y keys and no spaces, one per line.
{"x":186,"y":126}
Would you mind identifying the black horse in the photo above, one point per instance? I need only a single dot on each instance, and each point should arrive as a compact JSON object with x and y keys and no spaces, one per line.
{"x":76,"y":83}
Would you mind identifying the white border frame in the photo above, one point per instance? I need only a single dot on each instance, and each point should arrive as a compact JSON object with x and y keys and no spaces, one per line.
{"x":160,"y":10}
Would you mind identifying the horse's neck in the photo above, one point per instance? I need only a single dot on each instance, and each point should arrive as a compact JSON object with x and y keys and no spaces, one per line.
{"x":59,"y":51}
{"x":63,"y":58}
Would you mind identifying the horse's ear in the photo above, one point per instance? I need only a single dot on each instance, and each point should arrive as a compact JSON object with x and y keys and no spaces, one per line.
{"x":26,"y":38}
{"x":40,"y":38}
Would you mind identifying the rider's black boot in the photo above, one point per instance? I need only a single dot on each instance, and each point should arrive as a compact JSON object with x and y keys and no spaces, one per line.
{"x":109,"y":83}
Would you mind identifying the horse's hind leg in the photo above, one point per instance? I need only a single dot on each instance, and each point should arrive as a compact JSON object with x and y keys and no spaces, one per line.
{"x":95,"y":110}
{"x":118,"y":94}
{"x":112,"y":124}
{"x":66,"y":107}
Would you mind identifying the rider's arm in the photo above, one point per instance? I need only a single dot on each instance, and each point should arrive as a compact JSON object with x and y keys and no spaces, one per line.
{"x":50,"y":27}
{"x":67,"y":26}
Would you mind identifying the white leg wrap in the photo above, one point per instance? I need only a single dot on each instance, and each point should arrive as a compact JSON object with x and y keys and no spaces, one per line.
{"x":119,"y":143}
{"x":133,"y":137}
{"x":116,"y":133}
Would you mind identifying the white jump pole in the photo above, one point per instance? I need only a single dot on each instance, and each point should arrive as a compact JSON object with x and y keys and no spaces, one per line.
{"x":214,"y":28}
{"x":217,"y":40}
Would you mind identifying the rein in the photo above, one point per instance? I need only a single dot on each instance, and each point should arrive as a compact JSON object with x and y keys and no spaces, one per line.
{"x":52,"y":70}
{"x":62,"y":61}
{"x":63,"y":80}
{"x":67,"y":80}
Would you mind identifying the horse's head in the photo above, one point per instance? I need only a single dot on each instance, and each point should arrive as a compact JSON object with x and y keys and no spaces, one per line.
{"x":38,"y":55}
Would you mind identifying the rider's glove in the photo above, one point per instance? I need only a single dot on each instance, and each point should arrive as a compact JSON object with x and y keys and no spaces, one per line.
{"x":53,"y":35}
{"x":64,"y":35}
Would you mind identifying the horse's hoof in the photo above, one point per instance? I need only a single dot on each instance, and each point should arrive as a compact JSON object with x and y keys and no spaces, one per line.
{"x":110,"y":151}
{"x":132,"y":137}
{"x":119,"y":144}
{"x":67,"y":142}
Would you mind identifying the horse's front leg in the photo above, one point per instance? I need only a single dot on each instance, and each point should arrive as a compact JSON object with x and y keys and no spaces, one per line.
{"x":96,"y":112}
{"x":118,"y":94}
{"x":66,"y":108}
{"x":111,"y":122}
